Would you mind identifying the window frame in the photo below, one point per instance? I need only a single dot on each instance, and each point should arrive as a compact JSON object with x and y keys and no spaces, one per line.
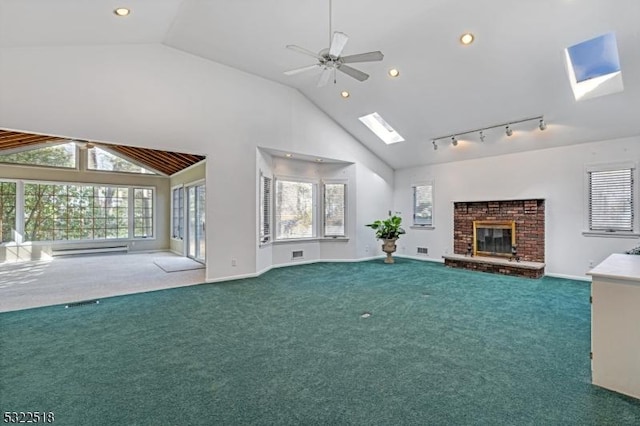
{"x":181,"y":213}
{"x":314,"y":207}
{"x":20,"y":211}
{"x":345,"y":208}
{"x":414,"y":187}
{"x":604,"y":167}
{"x":17,"y":211}
{"x":132,"y":215}
{"x":77,"y":156}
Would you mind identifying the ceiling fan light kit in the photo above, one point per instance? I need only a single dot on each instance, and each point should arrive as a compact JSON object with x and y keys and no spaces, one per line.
{"x":331,"y":60}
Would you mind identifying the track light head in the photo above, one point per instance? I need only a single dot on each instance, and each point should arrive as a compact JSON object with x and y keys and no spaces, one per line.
{"x":542,"y":126}
{"x":482,"y":136}
{"x":454,"y":141}
{"x":435,"y":145}
{"x":508,"y":131}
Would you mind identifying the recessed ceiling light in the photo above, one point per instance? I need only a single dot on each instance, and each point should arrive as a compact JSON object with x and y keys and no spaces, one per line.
{"x":122,"y":11}
{"x":345,"y":94}
{"x":394,"y":72}
{"x":288,"y":155}
{"x":466,"y":38}
{"x":319,"y":160}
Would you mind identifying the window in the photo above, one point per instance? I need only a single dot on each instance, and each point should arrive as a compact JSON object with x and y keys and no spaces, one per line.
{"x":294,"y":209}
{"x":62,"y":155}
{"x":142,"y":213}
{"x":265,"y":209}
{"x":7,"y":211}
{"x":177,"y":218}
{"x":75,"y":212}
{"x":100,"y":159}
{"x":334,"y":209}
{"x":611,"y":199}
{"x":423,"y":205}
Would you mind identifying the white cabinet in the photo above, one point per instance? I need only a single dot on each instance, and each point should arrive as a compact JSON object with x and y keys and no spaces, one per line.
{"x":615,"y":324}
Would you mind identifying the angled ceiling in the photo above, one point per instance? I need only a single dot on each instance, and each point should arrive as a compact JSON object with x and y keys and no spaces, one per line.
{"x":162,"y":161}
{"x":515,"y":68}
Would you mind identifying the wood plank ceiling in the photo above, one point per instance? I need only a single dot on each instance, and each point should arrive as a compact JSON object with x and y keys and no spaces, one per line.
{"x":165,"y":162}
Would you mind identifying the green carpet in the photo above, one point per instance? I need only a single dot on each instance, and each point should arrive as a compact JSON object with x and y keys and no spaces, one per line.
{"x":442,"y":346}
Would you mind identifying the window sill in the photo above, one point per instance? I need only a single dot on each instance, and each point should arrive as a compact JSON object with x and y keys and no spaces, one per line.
{"x":430,"y":227}
{"x":610,"y":234}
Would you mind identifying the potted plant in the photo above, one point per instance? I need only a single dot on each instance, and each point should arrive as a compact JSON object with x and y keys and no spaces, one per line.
{"x":388,"y":230}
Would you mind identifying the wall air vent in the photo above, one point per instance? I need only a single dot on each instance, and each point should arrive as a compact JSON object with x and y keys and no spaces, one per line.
{"x":82,"y":303}
{"x":297,"y":254}
{"x":423,"y":250}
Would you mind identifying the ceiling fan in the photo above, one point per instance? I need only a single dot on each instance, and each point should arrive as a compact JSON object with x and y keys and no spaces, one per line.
{"x":330,"y":59}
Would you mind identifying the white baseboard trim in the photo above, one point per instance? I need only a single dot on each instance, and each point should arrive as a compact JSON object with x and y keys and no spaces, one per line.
{"x":422,"y":258}
{"x":284,"y":265}
{"x":569,"y":277}
{"x":365,"y":259}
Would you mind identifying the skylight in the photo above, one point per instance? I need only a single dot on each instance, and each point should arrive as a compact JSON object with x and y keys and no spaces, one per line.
{"x":381,"y":128}
{"x":594,"y":67}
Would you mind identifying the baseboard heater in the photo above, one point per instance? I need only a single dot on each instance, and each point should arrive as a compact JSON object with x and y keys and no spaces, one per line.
{"x":122,"y":248}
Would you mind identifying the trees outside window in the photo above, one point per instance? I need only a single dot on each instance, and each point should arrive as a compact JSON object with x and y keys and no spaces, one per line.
{"x":294,"y":209}
{"x":7,"y":211}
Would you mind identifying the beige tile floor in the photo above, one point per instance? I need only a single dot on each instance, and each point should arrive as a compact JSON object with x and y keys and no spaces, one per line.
{"x":63,"y":280}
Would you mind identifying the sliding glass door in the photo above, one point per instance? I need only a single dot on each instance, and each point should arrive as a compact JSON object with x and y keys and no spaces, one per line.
{"x":196,"y":222}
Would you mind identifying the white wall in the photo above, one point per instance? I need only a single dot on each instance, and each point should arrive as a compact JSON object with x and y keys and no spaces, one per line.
{"x":157,"y":97}
{"x":556,"y":175}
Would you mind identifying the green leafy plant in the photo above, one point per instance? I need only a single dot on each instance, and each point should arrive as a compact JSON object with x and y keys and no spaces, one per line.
{"x":635,"y":250}
{"x":388,"y":229}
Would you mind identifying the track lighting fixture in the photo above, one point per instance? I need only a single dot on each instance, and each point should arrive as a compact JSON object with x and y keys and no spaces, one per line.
{"x":542,"y":126}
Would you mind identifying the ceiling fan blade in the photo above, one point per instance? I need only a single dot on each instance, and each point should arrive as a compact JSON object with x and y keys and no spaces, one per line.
{"x":324,"y":77}
{"x":338,"y":43}
{"x":303,"y":51}
{"x":357,"y":74}
{"x":303,"y":69}
{"x":363,"y":57}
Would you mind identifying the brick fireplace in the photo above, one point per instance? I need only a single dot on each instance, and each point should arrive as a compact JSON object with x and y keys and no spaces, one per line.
{"x":522,"y":220}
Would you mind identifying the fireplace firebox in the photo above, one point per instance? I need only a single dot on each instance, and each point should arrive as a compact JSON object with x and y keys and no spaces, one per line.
{"x":494,"y":238}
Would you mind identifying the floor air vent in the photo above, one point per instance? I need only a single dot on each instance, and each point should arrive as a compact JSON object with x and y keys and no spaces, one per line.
{"x":83,"y":303}
{"x":423,"y":250}
{"x":298,"y":254}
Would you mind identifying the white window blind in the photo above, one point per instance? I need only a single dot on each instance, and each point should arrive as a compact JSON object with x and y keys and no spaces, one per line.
{"x":423,"y":205}
{"x":334,"y":209}
{"x":265,"y":209}
{"x":611,"y":204}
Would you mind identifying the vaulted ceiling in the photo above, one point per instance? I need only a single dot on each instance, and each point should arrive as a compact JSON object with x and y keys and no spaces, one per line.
{"x":515,"y":68}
